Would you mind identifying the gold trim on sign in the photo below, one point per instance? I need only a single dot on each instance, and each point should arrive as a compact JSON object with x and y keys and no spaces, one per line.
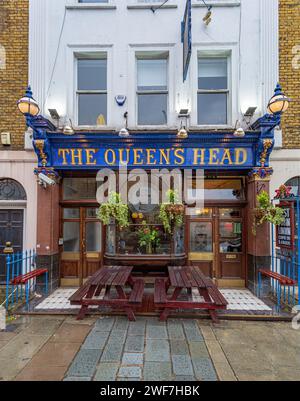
{"x":93,"y":255}
{"x":198,"y":257}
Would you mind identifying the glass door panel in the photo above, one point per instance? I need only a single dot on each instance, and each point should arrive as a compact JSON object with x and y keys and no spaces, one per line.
{"x":93,"y":236}
{"x":201,"y":238}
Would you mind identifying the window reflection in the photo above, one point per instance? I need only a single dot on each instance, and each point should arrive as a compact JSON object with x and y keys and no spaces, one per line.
{"x":71,"y":236}
{"x":93,"y":237}
{"x":230,"y":237}
{"x":201,"y":237}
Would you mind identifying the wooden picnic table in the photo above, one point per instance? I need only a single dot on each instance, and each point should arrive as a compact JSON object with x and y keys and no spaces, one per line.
{"x":102,"y":282}
{"x":188,"y":278}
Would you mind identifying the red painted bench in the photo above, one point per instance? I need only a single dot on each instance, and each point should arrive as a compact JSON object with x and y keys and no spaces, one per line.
{"x":137,"y":292}
{"x":283,"y":280}
{"x":24,"y":278}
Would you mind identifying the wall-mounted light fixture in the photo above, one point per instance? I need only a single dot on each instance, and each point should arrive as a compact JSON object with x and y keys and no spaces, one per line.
{"x":207,"y":19}
{"x":68,"y":129}
{"x":279,"y":103}
{"x":182,"y":133}
{"x":27,"y":105}
{"x":124,"y":133}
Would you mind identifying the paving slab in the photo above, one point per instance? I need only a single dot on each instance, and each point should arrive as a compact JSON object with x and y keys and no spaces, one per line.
{"x":157,"y":371}
{"x":135,"y":344}
{"x":193,"y":333}
{"x":133,"y":372}
{"x":42,"y":326}
{"x":121,"y":323}
{"x":96,"y":340}
{"x":179,"y":347}
{"x":54,"y":354}
{"x":113,"y":351}
{"x":175,"y":330}
{"x":77,"y":379}
{"x":23,"y":346}
{"x":204,"y":369}
{"x":85,"y":363}
{"x":184,"y":379}
{"x":137,"y":328}
{"x":198,"y":349}
{"x":69,"y":332}
{"x":182,"y":365}
{"x":132,"y":359}
{"x":42,"y":373}
{"x":105,"y":323}
{"x":106,"y":371}
{"x":157,"y":351}
{"x":11,"y":367}
{"x":157,"y":332}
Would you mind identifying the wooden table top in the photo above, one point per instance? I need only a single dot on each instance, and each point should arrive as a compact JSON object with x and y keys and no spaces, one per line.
{"x":188,"y":277}
{"x":112,"y":276}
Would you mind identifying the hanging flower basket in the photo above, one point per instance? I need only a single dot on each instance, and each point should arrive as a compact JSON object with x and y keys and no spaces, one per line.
{"x":283,"y":192}
{"x":171,"y":213}
{"x":266,"y":212}
{"x":114,"y":210}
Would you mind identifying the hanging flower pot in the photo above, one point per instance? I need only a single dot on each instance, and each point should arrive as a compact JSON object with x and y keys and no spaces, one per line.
{"x":171,"y":213}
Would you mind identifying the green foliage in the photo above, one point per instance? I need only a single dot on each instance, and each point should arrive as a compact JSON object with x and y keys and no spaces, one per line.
{"x":171,"y":213}
{"x":266,"y":212}
{"x":114,"y":209}
{"x":148,"y":237}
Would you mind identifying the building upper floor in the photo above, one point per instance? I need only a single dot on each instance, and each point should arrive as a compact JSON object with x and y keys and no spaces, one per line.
{"x":88,"y":57}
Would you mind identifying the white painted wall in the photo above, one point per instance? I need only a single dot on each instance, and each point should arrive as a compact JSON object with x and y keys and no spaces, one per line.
{"x":19,"y":166}
{"x":246,"y":28}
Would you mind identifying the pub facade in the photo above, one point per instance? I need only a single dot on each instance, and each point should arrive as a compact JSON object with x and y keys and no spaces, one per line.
{"x":188,"y":97}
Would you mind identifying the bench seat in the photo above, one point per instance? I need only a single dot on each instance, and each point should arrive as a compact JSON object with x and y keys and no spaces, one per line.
{"x":283,"y":280}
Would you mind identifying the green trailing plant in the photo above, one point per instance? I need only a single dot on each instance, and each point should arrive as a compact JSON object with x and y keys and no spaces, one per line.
{"x":114,"y":209}
{"x":172,"y":212}
{"x":266,"y":212}
{"x":148,"y":237}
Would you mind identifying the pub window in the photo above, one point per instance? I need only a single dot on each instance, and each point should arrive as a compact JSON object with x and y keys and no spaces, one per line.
{"x":152,"y":88}
{"x":92,"y":90}
{"x":218,"y":189}
{"x":79,"y":188}
{"x":213,"y":91}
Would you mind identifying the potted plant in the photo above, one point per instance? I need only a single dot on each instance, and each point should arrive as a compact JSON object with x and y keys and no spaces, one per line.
{"x":171,"y":213}
{"x":114,"y":209}
{"x":148,"y":237}
{"x":266,"y":212}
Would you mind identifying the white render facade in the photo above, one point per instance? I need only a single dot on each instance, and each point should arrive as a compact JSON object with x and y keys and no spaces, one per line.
{"x":121,"y":32}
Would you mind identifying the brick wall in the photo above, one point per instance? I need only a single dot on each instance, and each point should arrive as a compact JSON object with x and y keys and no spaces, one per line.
{"x":289,"y":21}
{"x":14,"y":77}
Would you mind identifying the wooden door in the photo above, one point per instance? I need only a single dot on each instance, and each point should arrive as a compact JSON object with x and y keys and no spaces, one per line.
{"x":11,"y":230}
{"x":231,"y":251}
{"x":201,"y":242}
{"x":216,"y":244}
{"x":82,"y":244}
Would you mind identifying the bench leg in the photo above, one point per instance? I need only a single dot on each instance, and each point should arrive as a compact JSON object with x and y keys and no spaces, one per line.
{"x":27,"y":293}
{"x":214,"y":316}
{"x":164,"y":315}
{"x":82,"y":312}
{"x":130,"y":314}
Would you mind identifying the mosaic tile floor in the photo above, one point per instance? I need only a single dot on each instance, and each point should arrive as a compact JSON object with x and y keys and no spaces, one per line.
{"x":239,"y":300}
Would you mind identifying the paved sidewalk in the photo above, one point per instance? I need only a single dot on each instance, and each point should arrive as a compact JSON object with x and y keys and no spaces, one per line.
{"x":144,"y":350}
{"x":51,"y":348}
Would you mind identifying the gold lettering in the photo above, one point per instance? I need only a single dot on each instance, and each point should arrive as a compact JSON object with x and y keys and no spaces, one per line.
{"x":179,"y":156}
{"x":122,"y":161}
{"x":213,"y":156}
{"x":238,"y":153}
{"x":76,"y":158}
{"x":138,"y":153}
{"x":64,"y":153}
{"x":164,"y":154}
{"x":90,"y":154}
{"x":227,"y":156}
{"x":110,"y":152}
{"x":151,"y":157}
{"x":199,"y":156}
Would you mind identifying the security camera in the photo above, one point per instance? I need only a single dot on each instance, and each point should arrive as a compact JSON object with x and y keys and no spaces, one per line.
{"x":44,"y":180}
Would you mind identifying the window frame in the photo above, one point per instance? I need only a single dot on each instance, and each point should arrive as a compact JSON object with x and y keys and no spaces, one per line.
{"x":215,"y":91}
{"x":85,"y":56}
{"x":231,"y":51}
{"x":141,"y":55}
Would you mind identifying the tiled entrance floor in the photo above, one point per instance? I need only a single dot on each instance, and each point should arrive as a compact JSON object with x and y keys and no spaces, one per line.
{"x":239,"y":300}
{"x":145,"y":350}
